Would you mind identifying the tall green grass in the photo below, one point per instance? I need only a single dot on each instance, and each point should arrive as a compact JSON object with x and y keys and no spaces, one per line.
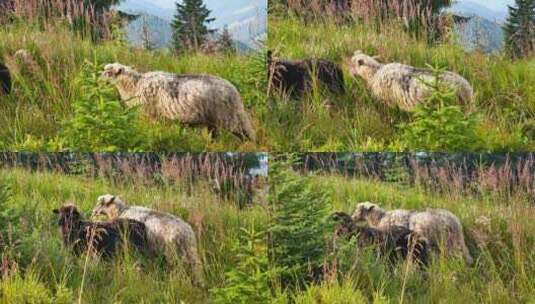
{"x":34,"y":115}
{"x":44,"y":92}
{"x":37,"y":269}
{"x":499,"y":231}
{"x":505,"y":91}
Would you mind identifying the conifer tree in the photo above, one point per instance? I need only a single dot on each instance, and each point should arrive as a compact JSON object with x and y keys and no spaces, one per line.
{"x":249,"y":280}
{"x":190,"y":25}
{"x":225,"y":42}
{"x":299,"y":228}
{"x":146,"y":35}
{"x":520,"y":29}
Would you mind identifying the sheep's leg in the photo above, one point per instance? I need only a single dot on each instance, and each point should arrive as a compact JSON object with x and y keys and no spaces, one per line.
{"x":239,"y":135}
{"x":196,"y":267}
{"x":213,"y":131}
{"x":466,"y":253}
{"x":455,"y":246}
{"x":418,"y":250}
{"x":185,"y":250}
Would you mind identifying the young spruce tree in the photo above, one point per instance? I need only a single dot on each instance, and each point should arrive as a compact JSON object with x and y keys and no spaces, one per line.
{"x":190,"y":25}
{"x":520,"y":29}
{"x":299,"y":226}
{"x":226,"y":44}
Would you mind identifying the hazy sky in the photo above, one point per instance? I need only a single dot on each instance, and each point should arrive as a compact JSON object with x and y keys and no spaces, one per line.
{"x":498,"y":5}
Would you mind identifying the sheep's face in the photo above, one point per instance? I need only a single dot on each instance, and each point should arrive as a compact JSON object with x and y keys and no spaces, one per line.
{"x":363,"y":65}
{"x":23,"y":55}
{"x":363,"y":210}
{"x":68,"y":214}
{"x":108,"y":205}
{"x":346,"y":226}
{"x":113,"y":71}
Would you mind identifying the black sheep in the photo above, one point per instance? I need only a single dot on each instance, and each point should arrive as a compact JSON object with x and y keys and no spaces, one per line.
{"x":5,"y":80}
{"x":102,"y":238}
{"x":397,"y":243}
{"x":295,"y":77}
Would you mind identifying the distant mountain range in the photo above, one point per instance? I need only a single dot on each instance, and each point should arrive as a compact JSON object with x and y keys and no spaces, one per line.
{"x":158,"y":29}
{"x":160,"y":33}
{"x":246,"y":20}
{"x":481,"y":33}
{"x":484,"y":29}
{"x":467,"y":7}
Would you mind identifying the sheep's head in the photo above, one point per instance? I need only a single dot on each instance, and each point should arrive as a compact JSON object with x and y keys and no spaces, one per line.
{"x":364,"y":210}
{"x":109,"y":205}
{"x":68,"y":214}
{"x":23,"y":55}
{"x":346,"y":225}
{"x":363,"y":65}
{"x":113,"y":71}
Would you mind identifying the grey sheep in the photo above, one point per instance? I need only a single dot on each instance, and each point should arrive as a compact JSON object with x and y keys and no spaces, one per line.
{"x":440,"y":227}
{"x":166,"y":233}
{"x":396,"y":243}
{"x":402,"y":85}
{"x":196,"y":100}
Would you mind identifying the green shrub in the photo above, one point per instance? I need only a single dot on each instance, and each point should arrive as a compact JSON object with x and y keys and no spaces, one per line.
{"x":332,"y":294}
{"x":29,"y":289}
{"x":439,"y":124}
{"x":298,"y":226}
{"x":99,"y":123}
{"x":7,"y":214}
{"x":249,"y":280}
{"x":255,"y":78}
{"x":174,"y":137}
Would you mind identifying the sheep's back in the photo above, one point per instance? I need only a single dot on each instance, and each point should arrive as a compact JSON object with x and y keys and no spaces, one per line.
{"x":192,"y":99}
{"x":406,"y":86}
{"x":397,"y":85}
{"x":398,"y":217}
{"x":161,"y":227}
{"x":436,"y":224}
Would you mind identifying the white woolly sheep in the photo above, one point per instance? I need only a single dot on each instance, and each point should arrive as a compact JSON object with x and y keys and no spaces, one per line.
{"x":196,"y":100}
{"x":438,"y":226}
{"x":25,"y":57}
{"x":27,"y":64}
{"x":402,"y":85}
{"x":166,"y":233}
{"x":396,"y":243}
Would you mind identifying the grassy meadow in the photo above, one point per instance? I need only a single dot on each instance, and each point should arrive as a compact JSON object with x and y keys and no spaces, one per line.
{"x":35,"y":115}
{"x":36,"y":268}
{"x":497,"y":219}
{"x":504,"y":89}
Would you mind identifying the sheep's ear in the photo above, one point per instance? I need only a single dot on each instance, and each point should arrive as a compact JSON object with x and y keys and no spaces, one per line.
{"x":110,"y":201}
{"x":371,"y":207}
{"x":55,"y":211}
{"x":119,"y":70}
